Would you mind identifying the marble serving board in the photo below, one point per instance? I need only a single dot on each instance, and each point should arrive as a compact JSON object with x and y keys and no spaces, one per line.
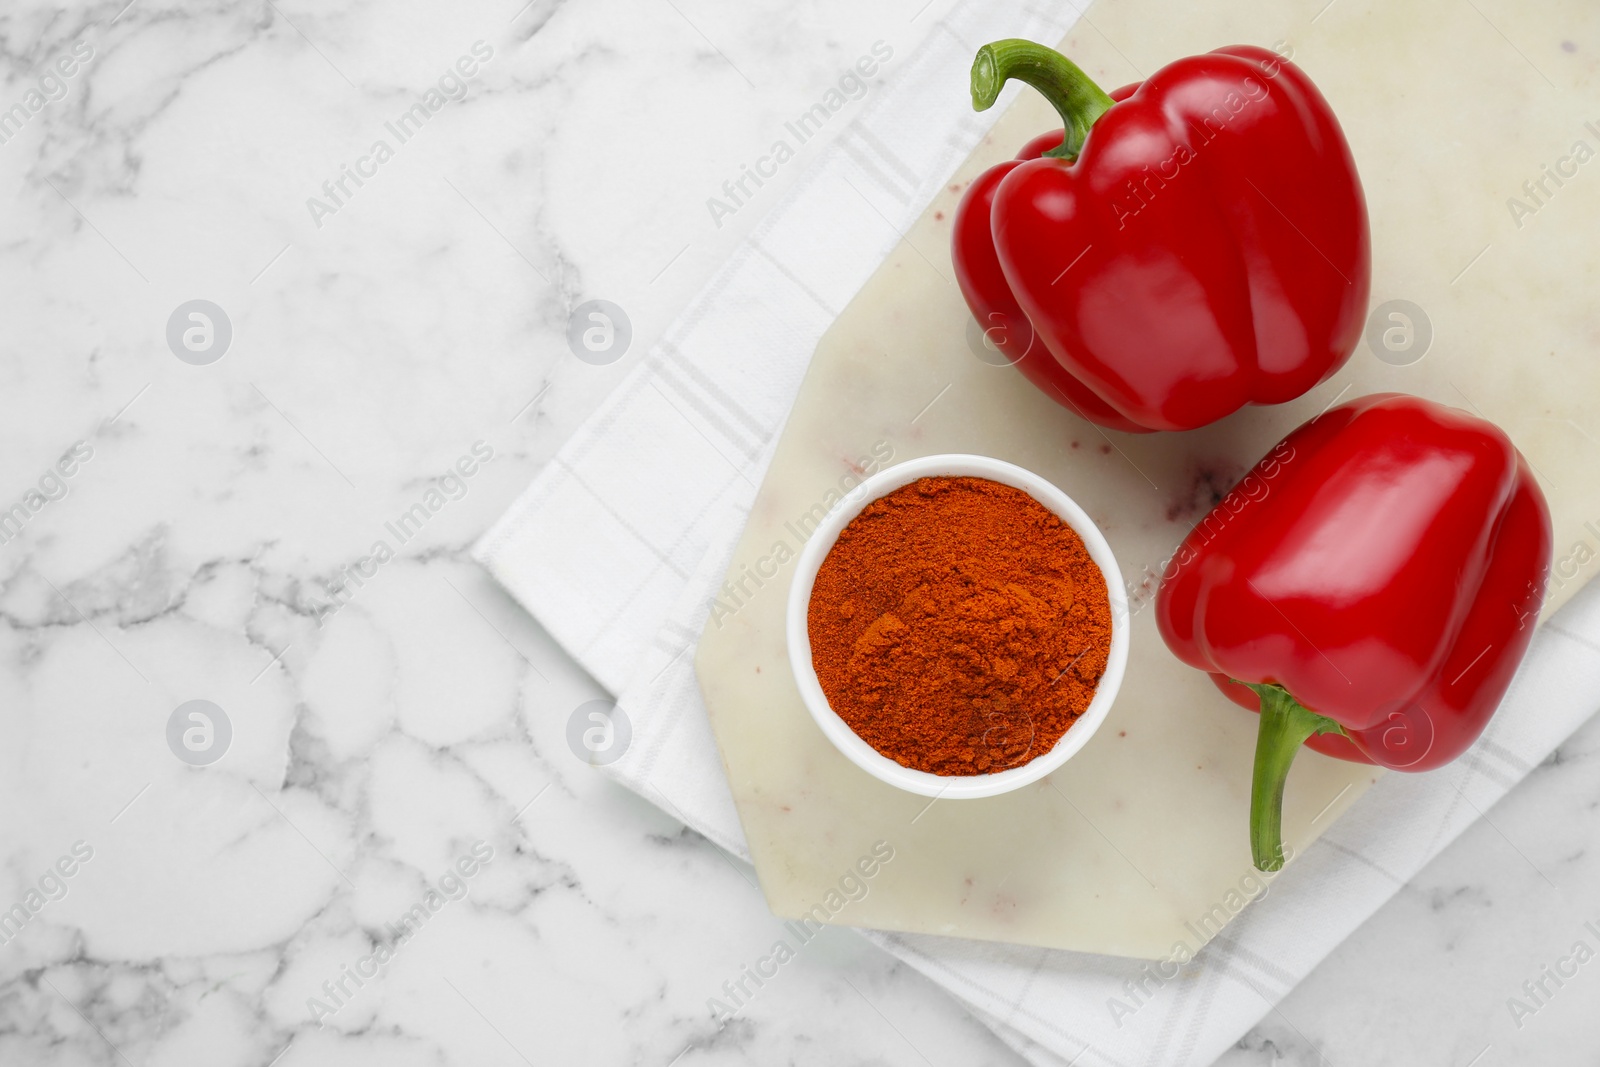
{"x":1138,"y":845}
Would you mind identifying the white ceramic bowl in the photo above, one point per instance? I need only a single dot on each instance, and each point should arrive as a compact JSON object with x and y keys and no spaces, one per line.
{"x":845,"y":739}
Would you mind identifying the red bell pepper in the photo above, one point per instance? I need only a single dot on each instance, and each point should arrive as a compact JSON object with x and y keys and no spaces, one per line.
{"x":1373,"y":600}
{"x":1197,"y":246}
{"x":989,"y":295}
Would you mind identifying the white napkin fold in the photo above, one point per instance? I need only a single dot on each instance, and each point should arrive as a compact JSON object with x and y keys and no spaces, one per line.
{"x":618,"y":544}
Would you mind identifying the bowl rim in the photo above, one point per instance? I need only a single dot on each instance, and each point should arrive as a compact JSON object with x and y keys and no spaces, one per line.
{"x":798,"y":641}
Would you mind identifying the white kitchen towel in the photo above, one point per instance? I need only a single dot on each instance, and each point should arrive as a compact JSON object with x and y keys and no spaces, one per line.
{"x":620,"y":541}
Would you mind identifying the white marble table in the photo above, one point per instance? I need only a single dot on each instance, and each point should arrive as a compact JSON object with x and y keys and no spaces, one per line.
{"x":387,"y":718}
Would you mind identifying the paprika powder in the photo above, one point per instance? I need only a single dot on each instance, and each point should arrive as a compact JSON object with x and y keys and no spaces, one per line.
{"x":958,"y":626}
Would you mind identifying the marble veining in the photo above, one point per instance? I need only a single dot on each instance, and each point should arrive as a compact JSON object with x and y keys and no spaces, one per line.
{"x":227,"y":505}
{"x":217,"y":537}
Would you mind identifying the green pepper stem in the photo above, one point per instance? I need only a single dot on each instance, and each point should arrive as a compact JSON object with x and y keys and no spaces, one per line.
{"x":1286,"y":724}
{"x":1069,"y":90}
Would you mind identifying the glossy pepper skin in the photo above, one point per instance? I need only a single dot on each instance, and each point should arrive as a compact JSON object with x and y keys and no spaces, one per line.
{"x":1194,"y":245}
{"x":995,"y":307}
{"x":1372,"y":597}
